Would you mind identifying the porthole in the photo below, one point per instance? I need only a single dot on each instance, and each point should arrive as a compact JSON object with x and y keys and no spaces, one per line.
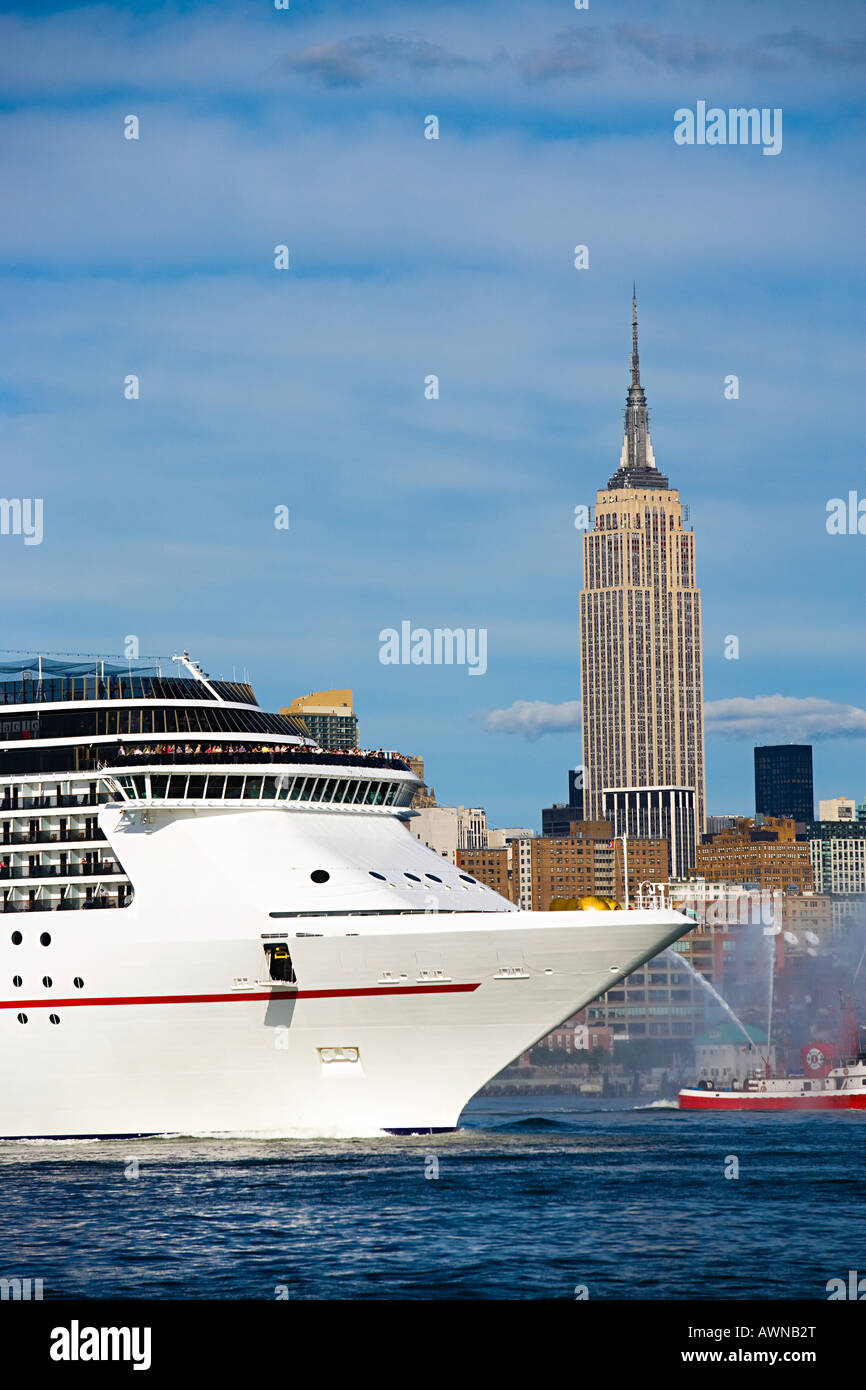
{"x":45,"y":938}
{"x":17,"y":938}
{"x":17,"y":981}
{"x":414,"y":877}
{"x":435,"y":877}
{"x":320,"y":875}
{"x":373,"y":874}
{"x":53,"y":1018}
{"x":22,"y":1018}
{"x":78,"y":982}
{"x":467,"y":879}
{"x":47,"y":981}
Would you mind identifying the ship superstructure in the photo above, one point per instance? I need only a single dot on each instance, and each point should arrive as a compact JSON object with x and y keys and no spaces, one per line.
{"x":212,"y":924}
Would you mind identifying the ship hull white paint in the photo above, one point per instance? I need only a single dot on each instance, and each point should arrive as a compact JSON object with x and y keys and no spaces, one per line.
{"x":178,"y":1029}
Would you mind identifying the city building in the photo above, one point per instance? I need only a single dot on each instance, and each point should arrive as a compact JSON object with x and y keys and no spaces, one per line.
{"x":766,"y":856}
{"x":561,"y":816}
{"x":425,"y":796}
{"x":558,"y":820}
{"x":329,"y":716}
{"x":837,"y":851}
{"x":588,"y":863}
{"x":490,"y":866}
{"x":723,"y":1054}
{"x":656,"y":813}
{"x":662,"y":1000}
{"x":783,"y":781}
{"x":640,"y":626}
{"x":717,"y":823}
{"x":445,"y":829}
{"x":839,"y":808}
{"x":575,"y":791}
{"x":496,"y":838}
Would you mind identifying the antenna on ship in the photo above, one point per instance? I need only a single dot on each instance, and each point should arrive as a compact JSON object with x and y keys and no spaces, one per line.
{"x":197,"y":673}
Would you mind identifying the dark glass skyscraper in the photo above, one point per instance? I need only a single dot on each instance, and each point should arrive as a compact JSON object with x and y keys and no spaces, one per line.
{"x":783,"y":781}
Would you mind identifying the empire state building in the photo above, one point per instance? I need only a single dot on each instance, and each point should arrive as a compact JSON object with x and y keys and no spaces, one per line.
{"x":641,"y":673}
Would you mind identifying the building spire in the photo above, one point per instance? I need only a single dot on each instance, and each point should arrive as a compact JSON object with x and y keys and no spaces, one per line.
{"x":637,"y":466}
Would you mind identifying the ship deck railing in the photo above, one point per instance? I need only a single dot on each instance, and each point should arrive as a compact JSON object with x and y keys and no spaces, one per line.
{"x":63,"y":905}
{"x":252,"y":756}
{"x":61,"y":871}
{"x":49,"y":837}
{"x":50,"y":803}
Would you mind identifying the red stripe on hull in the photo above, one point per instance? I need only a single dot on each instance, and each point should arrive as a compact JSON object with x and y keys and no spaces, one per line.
{"x":831,"y":1101}
{"x":236,"y":997}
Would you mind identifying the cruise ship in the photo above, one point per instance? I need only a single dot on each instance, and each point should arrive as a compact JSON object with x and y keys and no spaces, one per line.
{"x":213,"y":925}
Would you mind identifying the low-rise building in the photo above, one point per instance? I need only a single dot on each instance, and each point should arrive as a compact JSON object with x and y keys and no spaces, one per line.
{"x":767,"y":854}
{"x":490,"y":866}
{"x":445,"y":829}
{"x":838,"y":808}
{"x":724,"y":1055}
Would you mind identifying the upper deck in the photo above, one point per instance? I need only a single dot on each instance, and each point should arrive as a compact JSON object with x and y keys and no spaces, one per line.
{"x":57,"y":717}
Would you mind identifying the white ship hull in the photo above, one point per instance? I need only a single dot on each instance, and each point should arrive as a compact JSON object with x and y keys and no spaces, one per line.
{"x":394,"y":1023}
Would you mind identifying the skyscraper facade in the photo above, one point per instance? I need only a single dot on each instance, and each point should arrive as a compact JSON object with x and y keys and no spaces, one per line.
{"x":640,"y":623}
{"x":783,"y":781}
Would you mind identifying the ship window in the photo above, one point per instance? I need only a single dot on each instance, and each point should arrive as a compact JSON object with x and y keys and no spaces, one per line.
{"x":234,"y":786}
{"x":140,"y":787}
{"x":17,"y":981}
{"x":280,"y":962}
{"x":435,"y":877}
{"x":176,"y":788}
{"x":253,"y":788}
{"x":45,"y":938}
{"x":195,"y":787}
{"x":158,"y":785}
{"x":370,"y":793}
{"x":17,"y":938}
{"x":215,"y":787}
{"x":392,"y":793}
{"x":78,"y":982}
{"x":414,"y":877}
{"x":269,"y":788}
{"x":46,"y":980}
{"x":54,"y":1018}
{"x":297,"y":787}
{"x":373,"y":874}
{"x":351,"y":790}
{"x":320,"y":875}
{"x":467,"y":879}
{"x":327,"y":789}
{"x":22,"y":1018}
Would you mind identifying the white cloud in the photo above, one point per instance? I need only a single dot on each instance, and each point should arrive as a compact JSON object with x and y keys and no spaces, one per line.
{"x":534,"y":718}
{"x":786,"y":718}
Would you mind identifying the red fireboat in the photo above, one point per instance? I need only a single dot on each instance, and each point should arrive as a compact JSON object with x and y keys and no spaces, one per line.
{"x":841,"y":1087}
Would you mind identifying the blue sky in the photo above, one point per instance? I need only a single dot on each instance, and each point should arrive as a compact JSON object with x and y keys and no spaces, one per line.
{"x":409,"y":257}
